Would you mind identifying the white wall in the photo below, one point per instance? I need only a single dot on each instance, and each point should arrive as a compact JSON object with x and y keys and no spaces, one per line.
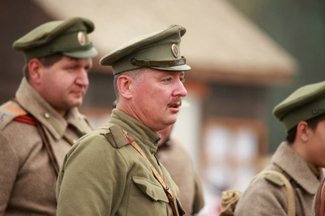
{"x":188,"y":126}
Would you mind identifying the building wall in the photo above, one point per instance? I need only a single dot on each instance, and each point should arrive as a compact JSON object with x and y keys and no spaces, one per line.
{"x":16,"y":19}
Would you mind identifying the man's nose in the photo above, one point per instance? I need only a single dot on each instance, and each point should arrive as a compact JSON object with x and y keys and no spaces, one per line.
{"x":83,"y":78}
{"x":181,"y":90}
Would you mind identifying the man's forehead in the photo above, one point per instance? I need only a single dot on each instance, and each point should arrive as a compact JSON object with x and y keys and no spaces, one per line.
{"x":156,"y":71}
{"x":69,"y":61}
{"x":73,"y":59}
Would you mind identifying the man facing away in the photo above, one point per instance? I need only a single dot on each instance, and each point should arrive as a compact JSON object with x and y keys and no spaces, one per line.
{"x":173,"y":155}
{"x":41,"y":123}
{"x":300,"y":158}
{"x":113,"y":170}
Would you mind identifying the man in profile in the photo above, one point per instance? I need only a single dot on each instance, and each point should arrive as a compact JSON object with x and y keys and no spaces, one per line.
{"x":41,"y":123}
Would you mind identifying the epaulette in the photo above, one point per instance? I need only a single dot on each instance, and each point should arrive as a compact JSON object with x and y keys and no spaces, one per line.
{"x":278,"y":176}
{"x":274,"y":177}
{"x":8,"y":112}
{"x":281,"y":179}
{"x":114,"y":135}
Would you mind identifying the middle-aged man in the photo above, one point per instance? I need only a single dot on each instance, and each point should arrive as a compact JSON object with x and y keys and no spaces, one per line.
{"x":177,"y":160}
{"x":41,"y":123}
{"x":113,"y":170}
{"x":300,"y":158}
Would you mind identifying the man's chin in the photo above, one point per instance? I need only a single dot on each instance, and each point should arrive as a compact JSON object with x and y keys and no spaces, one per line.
{"x":76,"y":103}
{"x":171,"y":121}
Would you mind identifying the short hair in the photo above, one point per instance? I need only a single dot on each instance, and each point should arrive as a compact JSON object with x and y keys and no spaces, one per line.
{"x":312,"y":124}
{"x":47,"y":61}
{"x":135,"y":74}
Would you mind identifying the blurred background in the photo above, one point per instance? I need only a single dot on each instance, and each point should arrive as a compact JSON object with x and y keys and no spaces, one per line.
{"x":246,"y":57}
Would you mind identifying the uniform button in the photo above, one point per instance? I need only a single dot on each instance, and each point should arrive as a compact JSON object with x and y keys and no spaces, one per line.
{"x":47,"y":115}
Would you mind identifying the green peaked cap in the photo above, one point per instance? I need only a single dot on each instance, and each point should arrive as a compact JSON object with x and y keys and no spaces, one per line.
{"x":303,"y":104}
{"x":68,"y":37}
{"x":159,"y":50}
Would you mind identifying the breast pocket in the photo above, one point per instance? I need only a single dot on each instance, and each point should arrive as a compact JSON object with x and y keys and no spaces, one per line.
{"x":146,"y":197}
{"x":153,"y":190}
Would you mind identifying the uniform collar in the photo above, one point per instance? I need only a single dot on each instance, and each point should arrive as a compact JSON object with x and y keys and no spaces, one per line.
{"x":136,"y":130}
{"x":34,"y":104}
{"x":289,"y":161}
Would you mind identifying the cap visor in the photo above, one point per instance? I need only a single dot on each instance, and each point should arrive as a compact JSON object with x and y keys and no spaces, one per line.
{"x":184,"y":67}
{"x":83,"y":54}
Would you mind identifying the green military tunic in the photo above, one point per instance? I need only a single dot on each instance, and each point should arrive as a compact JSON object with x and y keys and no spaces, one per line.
{"x":28,"y":180}
{"x":104,"y":175}
{"x":265,"y":198}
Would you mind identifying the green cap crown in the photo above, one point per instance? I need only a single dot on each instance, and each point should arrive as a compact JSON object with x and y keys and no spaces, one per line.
{"x":159,"y":50}
{"x":303,"y":104}
{"x":68,"y":37}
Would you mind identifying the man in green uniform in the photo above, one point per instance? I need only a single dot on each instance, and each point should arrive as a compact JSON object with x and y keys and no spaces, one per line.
{"x":41,"y":123}
{"x":177,"y":160}
{"x":300,"y":158}
{"x":113,"y":170}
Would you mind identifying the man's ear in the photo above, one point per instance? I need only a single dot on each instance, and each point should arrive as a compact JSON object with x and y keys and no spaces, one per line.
{"x":125,"y":85}
{"x":303,"y":131}
{"x":34,"y":66}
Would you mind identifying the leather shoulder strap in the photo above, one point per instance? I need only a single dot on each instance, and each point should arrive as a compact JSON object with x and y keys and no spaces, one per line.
{"x":281,"y":180}
{"x":17,"y":113}
{"x":172,"y":199}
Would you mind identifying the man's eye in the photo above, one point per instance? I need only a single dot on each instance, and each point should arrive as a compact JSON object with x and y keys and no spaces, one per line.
{"x":168,"y":80}
{"x":71,"y":67}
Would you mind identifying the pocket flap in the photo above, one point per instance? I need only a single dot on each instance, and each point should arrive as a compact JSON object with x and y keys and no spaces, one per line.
{"x":154,"y":190}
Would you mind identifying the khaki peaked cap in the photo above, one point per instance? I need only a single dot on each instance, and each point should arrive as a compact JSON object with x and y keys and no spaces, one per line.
{"x":68,"y":37}
{"x":159,"y":50}
{"x":303,"y":104}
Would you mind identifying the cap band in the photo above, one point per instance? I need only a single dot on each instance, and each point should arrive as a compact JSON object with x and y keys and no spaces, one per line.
{"x":304,"y":113}
{"x":163,"y":63}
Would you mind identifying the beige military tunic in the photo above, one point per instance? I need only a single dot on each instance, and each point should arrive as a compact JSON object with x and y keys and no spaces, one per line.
{"x":178,"y":162}
{"x":104,"y":175}
{"x":265,"y":198}
{"x":28,"y":180}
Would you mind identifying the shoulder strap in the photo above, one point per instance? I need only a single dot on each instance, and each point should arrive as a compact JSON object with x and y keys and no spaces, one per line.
{"x":114,"y":135}
{"x":281,"y":180}
{"x":48,"y":147}
{"x":170,"y":196}
{"x":25,"y":117}
{"x":231,"y":197}
{"x":8,"y":112}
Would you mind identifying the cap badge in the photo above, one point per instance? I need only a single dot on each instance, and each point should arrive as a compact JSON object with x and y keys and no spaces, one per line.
{"x":174,"y":49}
{"x":81,"y":38}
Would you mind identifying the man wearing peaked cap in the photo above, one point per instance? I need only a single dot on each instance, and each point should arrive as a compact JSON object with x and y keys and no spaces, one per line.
{"x":305,"y":103}
{"x":68,"y":37}
{"x":40,"y":124}
{"x":301,"y":157}
{"x":159,"y":50}
{"x":126,"y":177}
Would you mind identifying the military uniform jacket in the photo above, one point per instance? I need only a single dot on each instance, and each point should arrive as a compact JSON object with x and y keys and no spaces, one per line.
{"x":104,"y":175}
{"x":265,"y":198}
{"x":178,"y":162}
{"x":28,"y":180}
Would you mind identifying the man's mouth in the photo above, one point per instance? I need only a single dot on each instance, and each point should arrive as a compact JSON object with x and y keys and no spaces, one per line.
{"x":175,"y":104}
